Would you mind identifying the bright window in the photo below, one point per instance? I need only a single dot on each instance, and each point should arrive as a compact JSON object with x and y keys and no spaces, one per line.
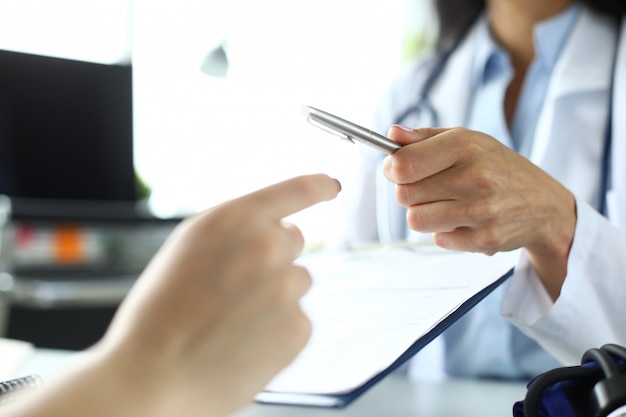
{"x":201,"y":140}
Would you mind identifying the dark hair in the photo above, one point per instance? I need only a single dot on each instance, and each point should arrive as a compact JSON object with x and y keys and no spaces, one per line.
{"x":455,"y":17}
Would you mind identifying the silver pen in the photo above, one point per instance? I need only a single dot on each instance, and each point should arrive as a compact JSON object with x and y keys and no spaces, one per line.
{"x":348,"y":130}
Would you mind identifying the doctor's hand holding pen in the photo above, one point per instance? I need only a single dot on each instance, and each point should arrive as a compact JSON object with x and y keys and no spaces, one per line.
{"x":475,"y":194}
{"x":214,"y":316}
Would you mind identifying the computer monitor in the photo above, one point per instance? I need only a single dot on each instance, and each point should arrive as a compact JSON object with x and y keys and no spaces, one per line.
{"x":66,"y":129}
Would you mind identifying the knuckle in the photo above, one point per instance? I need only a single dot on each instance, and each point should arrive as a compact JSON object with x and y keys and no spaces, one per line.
{"x":417,"y":219}
{"x":260,"y":251}
{"x":401,"y":169}
{"x":485,"y":210}
{"x":296,"y":331}
{"x":292,"y":283}
{"x":267,"y":248}
{"x":305,"y":330}
{"x":403,"y":195}
{"x":488,"y":240}
{"x":302,"y":328}
{"x":485,"y":181}
{"x":294,"y":235}
{"x":294,"y":322}
{"x":304,"y":279}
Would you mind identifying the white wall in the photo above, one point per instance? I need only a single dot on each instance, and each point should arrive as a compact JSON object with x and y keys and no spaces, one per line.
{"x":98,"y":31}
{"x":201,"y":140}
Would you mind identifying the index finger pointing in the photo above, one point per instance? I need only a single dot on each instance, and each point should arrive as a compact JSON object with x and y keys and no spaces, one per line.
{"x":293,"y":195}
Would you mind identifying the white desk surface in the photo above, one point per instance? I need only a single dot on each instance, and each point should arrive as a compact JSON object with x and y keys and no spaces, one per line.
{"x":395,"y":396}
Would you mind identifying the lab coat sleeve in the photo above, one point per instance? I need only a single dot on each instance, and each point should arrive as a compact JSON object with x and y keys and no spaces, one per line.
{"x":591,"y":308}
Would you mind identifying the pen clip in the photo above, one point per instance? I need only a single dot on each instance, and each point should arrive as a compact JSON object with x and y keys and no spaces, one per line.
{"x":311,"y":119}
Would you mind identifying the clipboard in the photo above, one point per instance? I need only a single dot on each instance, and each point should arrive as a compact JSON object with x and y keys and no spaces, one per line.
{"x":456,"y":281}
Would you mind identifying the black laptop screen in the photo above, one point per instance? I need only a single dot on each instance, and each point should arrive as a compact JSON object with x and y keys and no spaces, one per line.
{"x":65,"y":129}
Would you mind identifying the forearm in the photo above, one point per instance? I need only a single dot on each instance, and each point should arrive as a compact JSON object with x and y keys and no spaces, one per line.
{"x":99,"y":384}
{"x":92,"y":386}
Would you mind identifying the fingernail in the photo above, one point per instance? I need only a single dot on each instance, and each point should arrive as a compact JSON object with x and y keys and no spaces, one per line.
{"x":338,"y":184}
{"x":402,"y":127}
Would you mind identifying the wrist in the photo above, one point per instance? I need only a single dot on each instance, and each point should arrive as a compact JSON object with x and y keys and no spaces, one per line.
{"x":550,"y":255}
{"x":153,"y":381}
{"x":128,"y":382}
{"x":106,"y":385}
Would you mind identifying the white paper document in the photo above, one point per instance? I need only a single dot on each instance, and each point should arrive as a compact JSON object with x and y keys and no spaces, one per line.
{"x":13,"y":354}
{"x":368,"y":307}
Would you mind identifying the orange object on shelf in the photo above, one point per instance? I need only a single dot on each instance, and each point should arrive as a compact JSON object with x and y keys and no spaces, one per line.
{"x":69,"y":245}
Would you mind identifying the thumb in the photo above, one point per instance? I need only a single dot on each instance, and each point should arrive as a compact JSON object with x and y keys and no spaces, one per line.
{"x":405,"y":135}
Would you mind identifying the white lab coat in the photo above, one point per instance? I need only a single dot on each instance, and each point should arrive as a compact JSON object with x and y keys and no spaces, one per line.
{"x":592,"y":307}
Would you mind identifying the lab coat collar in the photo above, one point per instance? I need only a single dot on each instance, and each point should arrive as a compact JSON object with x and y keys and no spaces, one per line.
{"x":582,"y":70}
{"x":587,"y":55}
